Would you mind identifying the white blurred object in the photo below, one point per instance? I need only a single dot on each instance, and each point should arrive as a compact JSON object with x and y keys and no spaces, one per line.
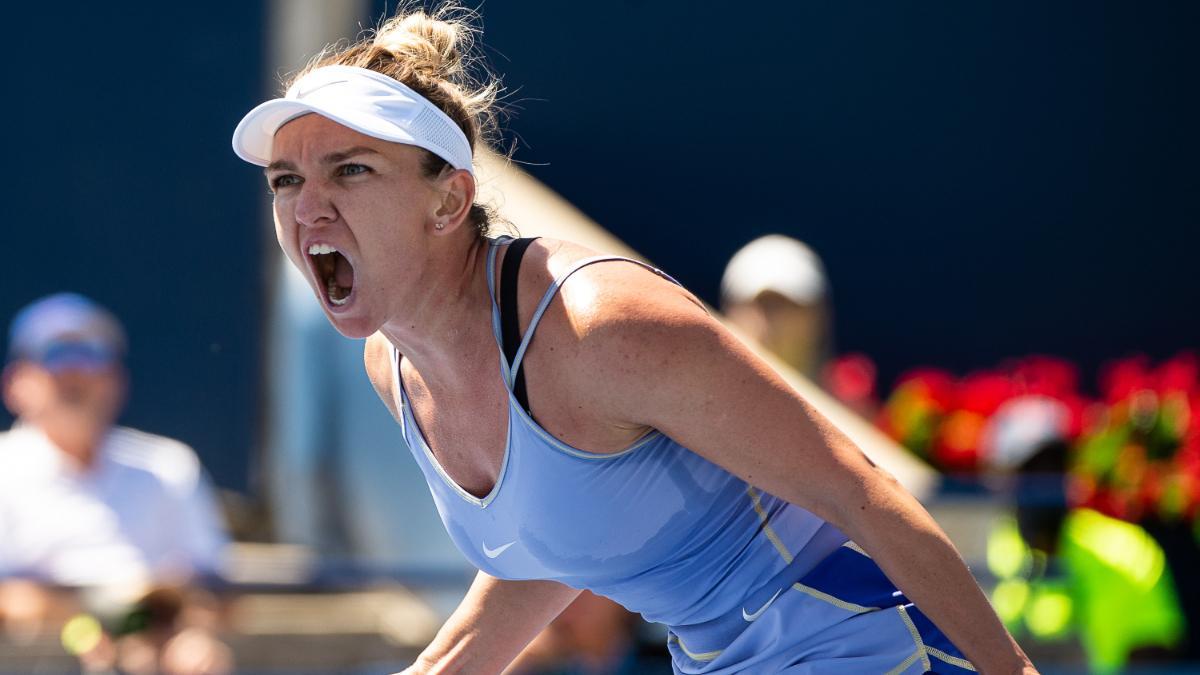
{"x":774,"y":263}
{"x":144,"y":511}
{"x":1020,"y":427}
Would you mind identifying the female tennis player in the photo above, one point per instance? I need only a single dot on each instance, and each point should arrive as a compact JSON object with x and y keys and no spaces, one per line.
{"x":581,"y":420}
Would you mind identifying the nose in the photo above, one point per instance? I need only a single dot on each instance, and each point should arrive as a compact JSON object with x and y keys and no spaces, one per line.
{"x":313,"y":206}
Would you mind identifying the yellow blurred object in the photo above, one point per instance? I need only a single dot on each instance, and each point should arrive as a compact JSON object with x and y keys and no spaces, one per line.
{"x":81,"y":634}
{"x":1009,"y":598}
{"x":1049,"y":613}
{"x":1007,"y":553}
{"x":1125,"y":547}
{"x":1114,"y":590}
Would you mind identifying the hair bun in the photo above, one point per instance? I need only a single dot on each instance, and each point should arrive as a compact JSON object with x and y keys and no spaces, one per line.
{"x":428,"y":46}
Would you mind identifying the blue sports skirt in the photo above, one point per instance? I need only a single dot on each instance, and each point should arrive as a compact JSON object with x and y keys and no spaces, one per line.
{"x":843,"y":616}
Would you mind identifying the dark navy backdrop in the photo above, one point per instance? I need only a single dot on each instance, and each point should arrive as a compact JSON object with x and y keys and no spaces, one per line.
{"x":983,"y":180}
{"x":119,"y":183}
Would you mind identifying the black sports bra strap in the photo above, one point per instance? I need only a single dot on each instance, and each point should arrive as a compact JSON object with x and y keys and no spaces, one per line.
{"x":510,"y":328}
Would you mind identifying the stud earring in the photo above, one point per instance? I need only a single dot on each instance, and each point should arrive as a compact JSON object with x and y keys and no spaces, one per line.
{"x":440,"y":226}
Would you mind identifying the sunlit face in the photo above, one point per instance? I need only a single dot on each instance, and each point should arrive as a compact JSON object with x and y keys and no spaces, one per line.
{"x":353,"y":213}
{"x":791,"y":331}
{"x":74,"y":403}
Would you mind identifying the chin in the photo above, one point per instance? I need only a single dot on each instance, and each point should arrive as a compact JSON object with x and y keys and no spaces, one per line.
{"x":355,"y":328}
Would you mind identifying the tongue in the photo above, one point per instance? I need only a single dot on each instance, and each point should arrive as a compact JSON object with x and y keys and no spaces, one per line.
{"x":343,"y":272}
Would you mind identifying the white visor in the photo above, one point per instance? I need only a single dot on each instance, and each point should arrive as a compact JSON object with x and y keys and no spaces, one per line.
{"x":366,"y":101}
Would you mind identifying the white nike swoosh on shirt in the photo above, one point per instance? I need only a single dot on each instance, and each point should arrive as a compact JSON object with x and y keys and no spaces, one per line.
{"x":493,"y":552}
{"x":752,"y":616}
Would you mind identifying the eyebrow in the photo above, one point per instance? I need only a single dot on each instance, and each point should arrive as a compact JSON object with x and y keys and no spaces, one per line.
{"x":331,"y":158}
{"x":343,"y":155}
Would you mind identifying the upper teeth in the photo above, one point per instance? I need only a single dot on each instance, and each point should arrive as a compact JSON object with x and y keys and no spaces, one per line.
{"x":321,"y":249}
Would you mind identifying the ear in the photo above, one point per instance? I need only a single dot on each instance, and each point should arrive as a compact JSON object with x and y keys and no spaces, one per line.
{"x":457,"y":189}
{"x":26,"y":388}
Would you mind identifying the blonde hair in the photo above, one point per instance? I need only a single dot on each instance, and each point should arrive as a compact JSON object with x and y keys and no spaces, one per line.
{"x":433,"y":53}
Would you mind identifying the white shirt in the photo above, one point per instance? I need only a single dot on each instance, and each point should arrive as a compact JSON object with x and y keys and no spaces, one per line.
{"x":143,"y":510}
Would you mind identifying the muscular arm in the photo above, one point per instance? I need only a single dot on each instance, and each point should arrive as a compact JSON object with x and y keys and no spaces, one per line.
{"x":492,"y":625}
{"x":657,"y":359}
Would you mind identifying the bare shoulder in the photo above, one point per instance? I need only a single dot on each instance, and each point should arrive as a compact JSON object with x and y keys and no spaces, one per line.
{"x":617,"y":326}
{"x":377,"y":359}
{"x":635,"y":328}
{"x":606,"y":295}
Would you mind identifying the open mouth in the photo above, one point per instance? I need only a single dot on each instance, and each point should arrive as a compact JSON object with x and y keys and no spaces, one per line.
{"x":334,"y":271}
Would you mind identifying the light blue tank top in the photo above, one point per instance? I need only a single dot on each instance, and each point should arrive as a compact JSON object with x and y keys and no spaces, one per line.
{"x":655,"y":527}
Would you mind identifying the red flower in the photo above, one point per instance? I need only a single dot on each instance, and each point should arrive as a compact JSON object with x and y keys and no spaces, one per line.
{"x":932,"y":383}
{"x":1187,"y":459}
{"x":1178,"y":375}
{"x":1111,"y":503}
{"x":1121,"y":379}
{"x":983,"y":393}
{"x":957,"y":445}
{"x":851,"y":377}
{"x":1082,"y":490}
{"x":1046,"y":375}
{"x":1077,"y":409}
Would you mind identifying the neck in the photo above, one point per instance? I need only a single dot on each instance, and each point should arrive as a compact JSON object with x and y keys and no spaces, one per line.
{"x":448,"y":324}
{"x":79,"y":445}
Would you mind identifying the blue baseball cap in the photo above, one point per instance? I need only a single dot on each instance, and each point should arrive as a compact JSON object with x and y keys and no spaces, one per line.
{"x":66,"y":331}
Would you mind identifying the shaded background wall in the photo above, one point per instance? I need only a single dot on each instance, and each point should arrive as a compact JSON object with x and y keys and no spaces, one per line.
{"x":983,"y":180}
{"x":119,"y":183}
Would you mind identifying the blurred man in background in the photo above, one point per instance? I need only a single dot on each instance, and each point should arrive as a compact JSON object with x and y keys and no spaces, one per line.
{"x":774,"y":290}
{"x":87,"y":504}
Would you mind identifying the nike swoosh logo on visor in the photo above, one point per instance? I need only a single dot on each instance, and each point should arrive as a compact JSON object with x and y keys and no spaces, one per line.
{"x":308,"y":92}
{"x":493,"y":552}
{"x":752,"y":616}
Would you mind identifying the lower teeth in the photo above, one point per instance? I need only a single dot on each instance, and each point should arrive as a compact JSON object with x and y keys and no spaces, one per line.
{"x":332,"y":290}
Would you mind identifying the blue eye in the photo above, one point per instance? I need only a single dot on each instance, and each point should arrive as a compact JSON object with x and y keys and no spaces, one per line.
{"x":352,"y":169}
{"x":284,"y":180}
